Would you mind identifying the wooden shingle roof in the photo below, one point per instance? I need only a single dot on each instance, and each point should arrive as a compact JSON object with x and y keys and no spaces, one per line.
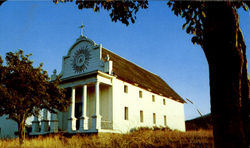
{"x":135,"y":75}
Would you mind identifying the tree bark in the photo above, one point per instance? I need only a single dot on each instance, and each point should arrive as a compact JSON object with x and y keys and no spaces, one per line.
{"x":245,"y":92}
{"x":225,"y":52}
{"x":21,"y":131}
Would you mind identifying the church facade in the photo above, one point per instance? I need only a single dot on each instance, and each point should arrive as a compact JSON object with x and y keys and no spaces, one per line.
{"x":110,"y":94}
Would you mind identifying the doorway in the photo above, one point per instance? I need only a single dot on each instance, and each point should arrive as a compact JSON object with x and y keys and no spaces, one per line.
{"x":78,"y":114}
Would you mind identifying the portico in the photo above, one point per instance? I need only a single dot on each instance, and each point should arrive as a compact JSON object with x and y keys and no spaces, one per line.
{"x":85,"y":108}
{"x":89,"y":111}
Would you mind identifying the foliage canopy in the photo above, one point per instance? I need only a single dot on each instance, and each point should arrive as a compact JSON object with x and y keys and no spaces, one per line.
{"x":25,"y":90}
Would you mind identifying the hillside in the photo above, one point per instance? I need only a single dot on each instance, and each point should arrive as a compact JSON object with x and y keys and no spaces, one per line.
{"x":204,"y":122}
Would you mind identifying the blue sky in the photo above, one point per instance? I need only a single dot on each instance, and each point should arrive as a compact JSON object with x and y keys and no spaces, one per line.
{"x":155,"y":42}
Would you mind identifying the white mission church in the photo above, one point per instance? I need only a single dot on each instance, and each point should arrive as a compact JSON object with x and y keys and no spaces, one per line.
{"x":110,"y":94}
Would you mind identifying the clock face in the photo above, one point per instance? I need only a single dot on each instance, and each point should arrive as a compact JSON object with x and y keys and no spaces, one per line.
{"x":80,"y":59}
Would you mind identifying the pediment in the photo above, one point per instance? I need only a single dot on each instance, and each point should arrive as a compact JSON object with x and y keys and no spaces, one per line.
{"x":87,"y":41}
{"x":83,"y":56}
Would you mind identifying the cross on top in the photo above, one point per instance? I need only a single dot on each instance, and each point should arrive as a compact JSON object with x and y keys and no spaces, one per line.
{"x":82,"y":26}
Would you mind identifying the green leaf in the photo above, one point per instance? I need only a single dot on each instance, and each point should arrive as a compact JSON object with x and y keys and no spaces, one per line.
{"x":25,"y":88}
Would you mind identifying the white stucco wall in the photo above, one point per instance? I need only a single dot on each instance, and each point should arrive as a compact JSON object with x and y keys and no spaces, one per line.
{"x":175,"y":115}
{"x":174,"y":111}
{"x":113,"y":100}
{"x":7,"y":127}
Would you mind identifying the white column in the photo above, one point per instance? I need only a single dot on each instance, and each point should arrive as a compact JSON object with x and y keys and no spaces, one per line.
{"x":84,"y":118}
{"x":72,"y":118}
{"x":45,"y":122}
{"x":35,"y":125}
{"x":96,"y":118}
{"x":53,"y":123}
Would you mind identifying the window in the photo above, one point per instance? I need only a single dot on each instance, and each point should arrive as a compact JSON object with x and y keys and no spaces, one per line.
{"x":141,"y":116}
{"x":153,"y":98}
{"x":154,"y":118}
{"x":126,"y":113}
{"x":140,"y":94}
{"x":164,"y":102}
{"x":125,"y":88}
{"x":165,"y":120}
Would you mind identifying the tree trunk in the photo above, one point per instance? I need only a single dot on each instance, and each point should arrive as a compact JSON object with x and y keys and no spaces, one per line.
{"x":21,"y":131}
{"x":225,"y":52}
{"x":245,"y":92}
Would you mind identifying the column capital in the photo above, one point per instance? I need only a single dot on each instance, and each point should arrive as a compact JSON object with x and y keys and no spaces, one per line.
{"x":84,"y":84}
{"x":72,"y":118}
{"x":84,"y":117}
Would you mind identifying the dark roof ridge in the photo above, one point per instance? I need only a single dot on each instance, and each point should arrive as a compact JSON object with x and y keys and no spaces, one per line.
{"x":132,"y":62}
{"x":134,"y":74}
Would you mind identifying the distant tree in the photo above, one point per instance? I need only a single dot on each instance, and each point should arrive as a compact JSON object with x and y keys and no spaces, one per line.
{"x":25,"y":90}
{"x":215,"y":27}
